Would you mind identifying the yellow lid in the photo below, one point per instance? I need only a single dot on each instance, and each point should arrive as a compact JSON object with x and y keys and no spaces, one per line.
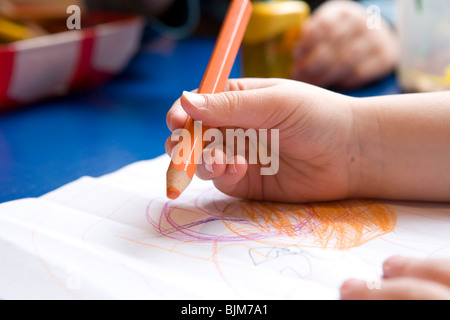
{"x":11,"y":31}
{"x":274,"y":17}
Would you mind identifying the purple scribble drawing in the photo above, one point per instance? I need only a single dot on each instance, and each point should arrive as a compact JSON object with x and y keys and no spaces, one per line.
{"x":208,"y":217}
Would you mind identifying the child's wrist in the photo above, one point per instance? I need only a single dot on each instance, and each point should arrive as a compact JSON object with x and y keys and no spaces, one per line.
{"x":366,"y":152}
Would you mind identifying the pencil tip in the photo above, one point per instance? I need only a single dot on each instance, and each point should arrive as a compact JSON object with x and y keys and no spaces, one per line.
{"x":173,"y":193}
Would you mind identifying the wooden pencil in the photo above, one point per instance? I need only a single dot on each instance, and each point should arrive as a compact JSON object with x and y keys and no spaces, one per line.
{"x":181,"y":171}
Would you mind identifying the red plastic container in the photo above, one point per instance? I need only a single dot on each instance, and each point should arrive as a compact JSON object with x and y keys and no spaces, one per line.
{"x":55,"y":64}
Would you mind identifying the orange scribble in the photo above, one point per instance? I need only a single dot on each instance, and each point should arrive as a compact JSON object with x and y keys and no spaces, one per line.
{"x":337,"y":225}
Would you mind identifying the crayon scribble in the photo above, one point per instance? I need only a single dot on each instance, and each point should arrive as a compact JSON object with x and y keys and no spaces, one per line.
{"x":336,"y":225}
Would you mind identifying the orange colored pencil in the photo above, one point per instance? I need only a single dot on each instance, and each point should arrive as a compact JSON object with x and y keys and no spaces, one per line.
{"x":181,"y":172}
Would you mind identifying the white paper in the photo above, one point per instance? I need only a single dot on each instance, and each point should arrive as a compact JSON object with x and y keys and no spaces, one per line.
{"x":118,"y":237}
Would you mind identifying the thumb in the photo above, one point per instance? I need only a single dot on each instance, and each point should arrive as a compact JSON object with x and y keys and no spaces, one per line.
{"x":258,"y":108}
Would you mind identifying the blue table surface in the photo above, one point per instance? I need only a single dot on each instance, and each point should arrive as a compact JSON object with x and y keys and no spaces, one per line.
{"x":49,"y":144}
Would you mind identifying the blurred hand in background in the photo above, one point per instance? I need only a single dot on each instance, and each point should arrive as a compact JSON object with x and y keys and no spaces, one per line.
{"x":338,"y":49}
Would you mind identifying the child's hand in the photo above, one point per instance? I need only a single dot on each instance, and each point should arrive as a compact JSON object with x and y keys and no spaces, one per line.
{"x":330,"y":146}
{"x":404,"y":279}
{"x":315,"y":131}
{"x":337,"y":48}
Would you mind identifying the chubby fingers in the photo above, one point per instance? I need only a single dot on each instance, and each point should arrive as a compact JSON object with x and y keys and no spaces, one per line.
{"x":226,"y":174}
{"x":215,"y":166}
{"x":404,"y":279}
{"x":230,"y":182}
{"x":437,"y":270}
{"x":394,"y":289}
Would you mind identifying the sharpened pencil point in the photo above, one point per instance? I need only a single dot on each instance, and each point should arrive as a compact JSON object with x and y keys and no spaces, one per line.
{"x":173,"y":193}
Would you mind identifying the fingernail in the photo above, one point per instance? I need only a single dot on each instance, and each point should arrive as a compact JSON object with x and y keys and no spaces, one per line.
{"x":197,"y":100}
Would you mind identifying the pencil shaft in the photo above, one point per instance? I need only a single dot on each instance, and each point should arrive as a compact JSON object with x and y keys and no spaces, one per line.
{"x":215,"y":78}
{"x":226,"y":48}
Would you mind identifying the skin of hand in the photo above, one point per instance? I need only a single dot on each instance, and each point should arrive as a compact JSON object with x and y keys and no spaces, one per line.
{"x":331,"y":146}
{"x":338,"y":49}
{"x":315,"y":138}
{"x":404,"y":279}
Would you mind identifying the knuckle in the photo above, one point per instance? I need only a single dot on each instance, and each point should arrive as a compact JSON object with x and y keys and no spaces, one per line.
{"x":229,"y":102}
{"x":235,"y":85}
